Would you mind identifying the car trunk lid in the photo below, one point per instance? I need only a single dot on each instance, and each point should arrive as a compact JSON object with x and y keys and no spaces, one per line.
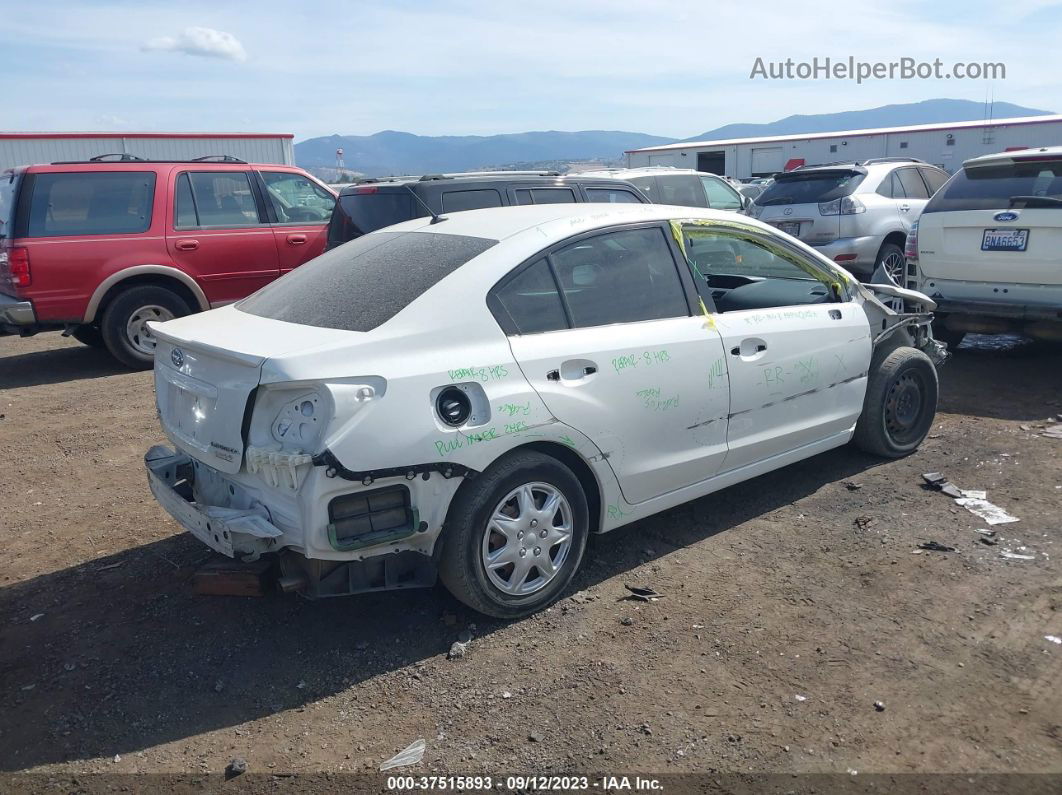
{"x":202,"y":390}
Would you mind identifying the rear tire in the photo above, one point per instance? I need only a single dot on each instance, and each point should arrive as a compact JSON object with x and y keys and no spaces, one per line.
{"x":950,"y":338}
{"x":124,"y":323}
{"x":900,"y":404}
{"x":892,"y":261}
{"x":88,"y":335}
{"x":494,"y":544}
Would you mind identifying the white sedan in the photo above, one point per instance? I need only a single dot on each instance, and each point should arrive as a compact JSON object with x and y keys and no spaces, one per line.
{"x":468,"y":397}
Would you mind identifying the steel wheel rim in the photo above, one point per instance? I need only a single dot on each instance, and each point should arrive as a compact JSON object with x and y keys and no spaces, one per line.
{"x":527,"y":539}
{"x":893,"y":264}
{"x":136,"y":330}
{"x":905,"y":406}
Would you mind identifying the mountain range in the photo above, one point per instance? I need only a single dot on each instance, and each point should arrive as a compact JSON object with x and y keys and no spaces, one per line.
{"x":393,"y":152}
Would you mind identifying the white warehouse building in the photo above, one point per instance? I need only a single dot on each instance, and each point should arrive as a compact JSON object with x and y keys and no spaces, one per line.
{"x":944,"y":145}
{"x":21,"y":149}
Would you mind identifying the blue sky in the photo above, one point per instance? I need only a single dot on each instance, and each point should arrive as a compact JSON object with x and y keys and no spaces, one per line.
{"x":460,"y":67}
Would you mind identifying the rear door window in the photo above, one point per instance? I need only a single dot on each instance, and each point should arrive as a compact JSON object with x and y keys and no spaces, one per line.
{"x":457,"y":200}
{"x":681,"y":189}
{"x":912,"y":183}
{"x":612,"y":196}
{"x":620,"y":277}
{"x":1000,"y":187}
{"x":545,"y":196}
{"x":90,"y":203}
{"x":215,"y":199}
{"x":296,"y":199}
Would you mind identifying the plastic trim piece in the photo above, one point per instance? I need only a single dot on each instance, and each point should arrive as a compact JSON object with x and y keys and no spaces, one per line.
{"x":336,"y":469}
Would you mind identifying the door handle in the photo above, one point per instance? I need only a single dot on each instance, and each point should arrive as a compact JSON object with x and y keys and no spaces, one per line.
{"x":748,"y":348}
{"x":296,"y":240}
{"x":186,"y":245}
{"x":589,"y":370}
{"x":553,"y":375}
{"x":904,"y":208}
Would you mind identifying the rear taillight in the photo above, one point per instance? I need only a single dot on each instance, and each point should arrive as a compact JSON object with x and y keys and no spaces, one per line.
{"x":15,"y":265}
{"x":846,"y":205}
{"x":910,"y":248}
{"x":366,"y":189}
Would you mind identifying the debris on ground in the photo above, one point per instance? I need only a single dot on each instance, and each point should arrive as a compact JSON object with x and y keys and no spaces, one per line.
{"x":879,"y":706}
{"x":626,"y":621}
{"x":799,"y":697}
{"x":988,"y":541}
{"x":1053,"y":432}
{"x":642,"y":593}
{"x":37,"y":617}
{"x":1006,"y":553}
{"x":457,"y":650}
{"x":981,"y":507}
{"x":1053,"y":639}
{"x":973,"y":500}
{"x":237,"y":767}
{"x":934,"y":546}
{"x":407,"y":756}
{"x":852,"y":486}
{"x":864,"y":522}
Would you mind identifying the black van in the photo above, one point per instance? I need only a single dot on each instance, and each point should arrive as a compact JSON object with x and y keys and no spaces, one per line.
{"x":374,"y":203}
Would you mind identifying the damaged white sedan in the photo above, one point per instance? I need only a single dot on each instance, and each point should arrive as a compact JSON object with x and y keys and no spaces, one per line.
{"x":469,"y":397}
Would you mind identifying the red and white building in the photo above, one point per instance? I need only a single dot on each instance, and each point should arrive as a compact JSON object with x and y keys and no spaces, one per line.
{"x":26,"y":148}
{"x":944,"y":145}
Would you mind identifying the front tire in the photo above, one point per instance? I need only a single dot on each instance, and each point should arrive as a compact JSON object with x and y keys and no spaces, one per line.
{"x":515,"y":536}
{"x":124,"y":323}
{"x":900,"y":404}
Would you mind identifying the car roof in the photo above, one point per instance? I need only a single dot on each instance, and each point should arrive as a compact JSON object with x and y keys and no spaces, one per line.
{"x":494,"y":178}
{"x":501,"y":223}
{"x":1002,"y":158}
{"x":647,"y":171}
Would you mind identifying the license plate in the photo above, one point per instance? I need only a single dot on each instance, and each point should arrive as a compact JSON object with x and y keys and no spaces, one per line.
{"x":1005,"y":240}
{"x":790,"y":227}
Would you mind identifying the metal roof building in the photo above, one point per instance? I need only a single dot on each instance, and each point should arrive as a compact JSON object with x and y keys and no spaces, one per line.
{"x":944,"y":145}
{"x":19,"y":149}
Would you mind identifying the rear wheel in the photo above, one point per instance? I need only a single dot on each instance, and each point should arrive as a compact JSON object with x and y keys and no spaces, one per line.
{"x":124,"y":324}
{"x":900,"y":404}
{"x":950,"y":338}
{"x":515,"y":536}
{"x":891,"y":260}
{"x":88,"y":335}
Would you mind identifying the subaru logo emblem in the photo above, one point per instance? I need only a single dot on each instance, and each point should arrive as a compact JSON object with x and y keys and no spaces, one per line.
{"x":787,"y":211}
{"x":177,"y":357}
{"x":1005,"y":216}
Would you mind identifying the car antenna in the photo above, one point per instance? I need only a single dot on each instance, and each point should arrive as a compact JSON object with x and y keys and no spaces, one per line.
{"x":435,"y":217}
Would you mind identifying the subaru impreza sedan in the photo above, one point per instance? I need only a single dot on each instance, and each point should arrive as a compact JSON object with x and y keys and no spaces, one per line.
{"x":467,"y":398}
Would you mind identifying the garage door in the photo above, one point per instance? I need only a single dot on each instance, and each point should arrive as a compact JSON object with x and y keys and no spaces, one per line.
{"x":767,"y":160}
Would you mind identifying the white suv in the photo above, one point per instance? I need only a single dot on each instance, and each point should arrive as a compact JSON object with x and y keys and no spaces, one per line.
{"x":988,"y":247}
{"x":679,"y":186}
{"x":857,"y":214}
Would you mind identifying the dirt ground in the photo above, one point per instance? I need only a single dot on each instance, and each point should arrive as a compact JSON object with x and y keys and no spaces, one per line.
{"x":792,"y":604}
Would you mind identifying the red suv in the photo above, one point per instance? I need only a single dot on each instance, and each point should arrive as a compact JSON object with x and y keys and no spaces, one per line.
{"x":99,"y":248}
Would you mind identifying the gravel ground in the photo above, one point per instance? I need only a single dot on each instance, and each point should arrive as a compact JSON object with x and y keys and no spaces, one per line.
{"x":793,"y":604}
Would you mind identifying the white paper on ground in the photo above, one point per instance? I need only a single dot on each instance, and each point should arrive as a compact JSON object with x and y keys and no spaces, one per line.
{"x":992,"y":514}
{"x":408,"y":756}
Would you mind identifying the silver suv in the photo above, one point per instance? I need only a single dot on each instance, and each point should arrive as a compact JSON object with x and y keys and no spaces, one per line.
{"x":856,"y":213}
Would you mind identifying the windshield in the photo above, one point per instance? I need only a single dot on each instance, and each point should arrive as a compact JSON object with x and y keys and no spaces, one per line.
{"x":359,"y":213}
{"x":810,"y":188}
{"x":1000,"y":187}
{"x":8,"y":188}
{"x":365,"y":283}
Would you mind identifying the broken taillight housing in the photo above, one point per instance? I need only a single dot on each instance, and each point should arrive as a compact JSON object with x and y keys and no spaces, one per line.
{"x":15,"y":266}
{"x":910,"y":247}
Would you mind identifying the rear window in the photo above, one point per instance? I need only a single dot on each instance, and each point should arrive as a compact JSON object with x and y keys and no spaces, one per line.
{"x":364,"y":284}
{"x":89,"y":203}
{"x":810,"y":188}
{"x":456,"y":201}
{"x":8,"y":189}
{"x":612,"y":196}
{"x":358,"y":214}
{"x":1029,"y":184}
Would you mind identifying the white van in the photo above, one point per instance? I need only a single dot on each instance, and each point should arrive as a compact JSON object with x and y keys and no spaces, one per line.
{"x":988,"y":247}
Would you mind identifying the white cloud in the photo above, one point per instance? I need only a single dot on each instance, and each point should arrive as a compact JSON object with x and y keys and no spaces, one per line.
{"x":205,"y":42}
